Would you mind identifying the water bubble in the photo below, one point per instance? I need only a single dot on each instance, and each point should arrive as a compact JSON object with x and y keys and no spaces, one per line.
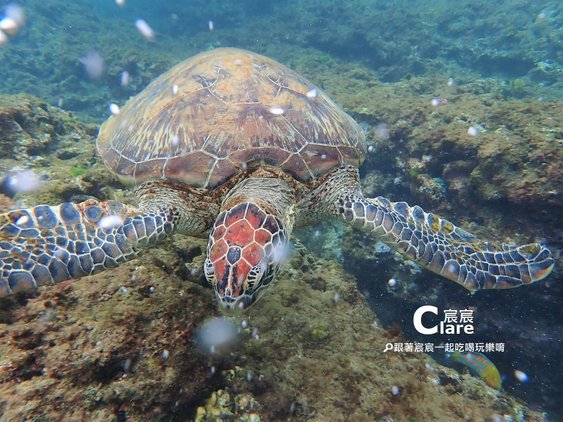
{"x":451,"y":82}
{"x":174,"y":89}
{"x":93,"y":64}
{"x":114,"y":109}
{"x":395,"y":390}
{"x":24,"y":181}
{"x":437,"y":102}
{"x":14,"y":18}
{"x":165,"y":354}
{"x":392,"y":282}
{"x":126,"y":365}
{"x":108,"y":222}
{"x":123,"y":290}
{"x":244,"y":324}
{"x":312,"y":93}
{"x":15,"y":12}
{"x":520,"y":375}
{"x":336,"y":298}
{"x":60,"y":103}
{"x":124,"y":78}
{"x":22,"y":220}
{"x":210,"y":25}
{"x":120,"y":3}
{"x":280,"y":253}
{"x":381,"y":131}
{"x":216,"y":333}
{"x":472,"y":131}
{"x":371,"y":148}
{"x":8,"y":25}
{"x":144,"y":28}
{"x":255,"y":335}
{"x":277,"y":111}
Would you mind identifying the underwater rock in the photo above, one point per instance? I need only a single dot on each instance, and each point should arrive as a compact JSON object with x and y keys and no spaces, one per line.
{"x":55,"y":147}
{"x":31,"y":128}
{"x":94,"y":349}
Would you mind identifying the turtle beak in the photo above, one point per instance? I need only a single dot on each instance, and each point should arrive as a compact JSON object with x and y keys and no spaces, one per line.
{"x":241,"y":302}
{"x":236,"y":289}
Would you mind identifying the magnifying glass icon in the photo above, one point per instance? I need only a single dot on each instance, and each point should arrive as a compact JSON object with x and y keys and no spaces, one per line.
{"x":388,"y":346}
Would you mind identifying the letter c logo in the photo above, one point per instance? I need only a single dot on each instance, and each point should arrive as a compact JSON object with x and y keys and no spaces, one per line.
{"x":417,"y":320}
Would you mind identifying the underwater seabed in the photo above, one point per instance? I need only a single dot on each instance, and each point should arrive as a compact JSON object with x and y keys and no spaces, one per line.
{"x":120,"y":346}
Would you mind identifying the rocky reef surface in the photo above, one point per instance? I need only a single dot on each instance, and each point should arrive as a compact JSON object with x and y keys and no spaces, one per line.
{"x":121,"y":346}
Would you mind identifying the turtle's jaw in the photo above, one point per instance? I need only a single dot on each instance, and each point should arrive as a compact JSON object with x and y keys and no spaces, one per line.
{"x":241,"y":302}
{"x":236,"y":290}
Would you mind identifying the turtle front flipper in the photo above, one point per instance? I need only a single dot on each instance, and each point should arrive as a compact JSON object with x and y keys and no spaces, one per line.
{"x":445,"y":249}
{"x":49,"y":244}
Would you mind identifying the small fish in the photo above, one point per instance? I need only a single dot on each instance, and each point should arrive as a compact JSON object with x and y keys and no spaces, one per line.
{"x":480,"y":365}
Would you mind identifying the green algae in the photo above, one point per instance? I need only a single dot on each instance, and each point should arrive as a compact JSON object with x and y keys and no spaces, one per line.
{"x":78,"y":171}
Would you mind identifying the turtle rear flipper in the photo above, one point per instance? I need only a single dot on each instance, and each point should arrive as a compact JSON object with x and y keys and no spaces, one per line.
{"x":49,"y":244}
{"x":445,"y":249}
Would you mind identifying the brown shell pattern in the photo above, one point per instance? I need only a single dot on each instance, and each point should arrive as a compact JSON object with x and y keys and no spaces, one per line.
{"x":222,"y":111}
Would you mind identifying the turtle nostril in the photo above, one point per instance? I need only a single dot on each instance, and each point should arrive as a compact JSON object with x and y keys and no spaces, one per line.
{"x":233,"y":255}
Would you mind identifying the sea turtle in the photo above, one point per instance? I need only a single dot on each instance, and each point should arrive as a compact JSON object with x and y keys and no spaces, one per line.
{"x":237,"y":147}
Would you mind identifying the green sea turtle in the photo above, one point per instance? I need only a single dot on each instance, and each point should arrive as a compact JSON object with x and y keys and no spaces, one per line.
{"x":235,"y":146}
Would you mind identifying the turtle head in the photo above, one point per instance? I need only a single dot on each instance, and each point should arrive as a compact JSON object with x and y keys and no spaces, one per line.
{"x":247,"y":244}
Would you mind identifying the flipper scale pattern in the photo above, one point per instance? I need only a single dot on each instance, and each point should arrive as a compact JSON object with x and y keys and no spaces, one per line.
{"x":445,"y":249}
{"x":49,"y":244}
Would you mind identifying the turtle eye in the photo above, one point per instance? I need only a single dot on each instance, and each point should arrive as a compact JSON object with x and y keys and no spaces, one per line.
{"x":208,"y":270}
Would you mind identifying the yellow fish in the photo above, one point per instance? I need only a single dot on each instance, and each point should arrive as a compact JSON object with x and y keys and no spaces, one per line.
{"x":480,"y":365}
